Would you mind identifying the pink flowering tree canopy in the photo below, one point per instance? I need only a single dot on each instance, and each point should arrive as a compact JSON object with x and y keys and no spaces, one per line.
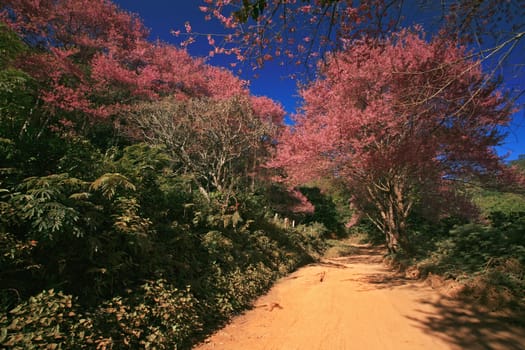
{"x":93,"y":60}
{"x":402,"y":122}
{"x":294,"y":32}
{"x":95,"y":69}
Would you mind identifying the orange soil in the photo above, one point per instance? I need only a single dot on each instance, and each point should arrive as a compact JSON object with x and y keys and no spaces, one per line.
{"x":356,"y":302}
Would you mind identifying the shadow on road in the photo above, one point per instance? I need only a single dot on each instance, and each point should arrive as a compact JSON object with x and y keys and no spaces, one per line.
{"x":461,"y":323}
{"x":369,"y":255}
{"x":362,"y":254}
{"x":469,"y":326}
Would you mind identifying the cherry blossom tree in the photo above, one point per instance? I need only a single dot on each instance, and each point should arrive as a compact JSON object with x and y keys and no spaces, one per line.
{"x":290,"y":31}
{"x":70,"y":39}
{"x":92,"y":60}
{"x":403,"y":122}
{"x":299,"y":32}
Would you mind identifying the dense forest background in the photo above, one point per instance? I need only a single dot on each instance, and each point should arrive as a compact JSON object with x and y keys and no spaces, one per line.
{"x":137,"y":207}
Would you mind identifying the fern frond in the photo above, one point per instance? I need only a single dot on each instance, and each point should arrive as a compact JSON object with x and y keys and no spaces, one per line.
{"x":80,"y":196}
{"x":110,"y":182}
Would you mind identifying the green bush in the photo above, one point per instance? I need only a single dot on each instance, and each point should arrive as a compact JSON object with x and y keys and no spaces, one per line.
{"x":157,"y":316}
{"x":45,"y":321}
{"x":489,"y":259}
{"x":233,"y":291}
{"x":120,"y":218}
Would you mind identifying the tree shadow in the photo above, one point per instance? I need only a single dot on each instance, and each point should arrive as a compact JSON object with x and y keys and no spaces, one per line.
{"x":363,"y":254}
{"x":371,"y":283}
{"x":460,"y":322}
{"x":468,"y":326}
{"x":373,"y":254}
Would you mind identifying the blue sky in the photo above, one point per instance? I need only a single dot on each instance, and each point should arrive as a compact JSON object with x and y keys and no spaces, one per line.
{"x":163,"y":16}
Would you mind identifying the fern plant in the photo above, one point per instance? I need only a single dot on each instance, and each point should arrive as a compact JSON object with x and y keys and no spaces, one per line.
{"x":109,"y":183}
{"x":47,"y":204}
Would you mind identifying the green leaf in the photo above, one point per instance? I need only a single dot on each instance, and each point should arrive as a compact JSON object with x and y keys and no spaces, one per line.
{"x":3,"y":334}
{"x":80,"y":196}
{"x":110,"y":182}
{"x":236,"y":218}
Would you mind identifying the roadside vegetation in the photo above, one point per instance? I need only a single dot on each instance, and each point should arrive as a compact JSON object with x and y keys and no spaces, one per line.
{"x":481,"y":260}
{"x":485,"y":258}
{"x":129,"y":218}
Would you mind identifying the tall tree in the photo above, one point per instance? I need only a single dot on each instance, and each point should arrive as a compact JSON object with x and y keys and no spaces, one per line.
{"x":92,"y":60}
{"x":220,"y":143}
{"x":402,"y":122}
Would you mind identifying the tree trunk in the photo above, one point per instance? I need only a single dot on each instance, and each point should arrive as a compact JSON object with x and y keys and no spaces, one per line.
{"x":394,"y":211}
{"x":392,"y":233}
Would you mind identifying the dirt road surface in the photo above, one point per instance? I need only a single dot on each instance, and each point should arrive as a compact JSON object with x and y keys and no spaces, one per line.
{"x":356,"y":302}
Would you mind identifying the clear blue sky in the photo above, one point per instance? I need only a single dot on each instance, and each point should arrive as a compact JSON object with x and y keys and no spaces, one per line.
{"x":163,"y":16}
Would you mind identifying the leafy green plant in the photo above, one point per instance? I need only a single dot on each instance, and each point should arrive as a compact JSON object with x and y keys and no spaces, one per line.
{"x":489,"y":260}
{"x":45,"y":321}
{"x":47,"y":205}
{"x":109,"y":183}
{"x":157,"y":316}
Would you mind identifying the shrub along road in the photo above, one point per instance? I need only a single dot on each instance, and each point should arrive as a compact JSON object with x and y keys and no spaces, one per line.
{"x":356,"y":302}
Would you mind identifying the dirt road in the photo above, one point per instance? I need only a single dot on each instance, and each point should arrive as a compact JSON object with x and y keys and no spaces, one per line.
{"x":355,"y":302}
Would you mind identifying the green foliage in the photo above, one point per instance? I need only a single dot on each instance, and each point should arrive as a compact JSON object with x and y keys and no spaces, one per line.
{"x":45,"y":321}
{"x":481,"y":256}
{"x":46,"y":204}
{"x":367,"y":231}
{"x":494,"y":201}
{"x":92,"y":216}
{"x":109,"y":183}
{"x":16,"y":94}
{"x":15,"y":258}
{"x":229,"y":290}
{"x":309,"y":236}
{"x":157,"y":316}
{"x":469,"y":248}
{"x":326,"y":211}
{"x":10,"y":45}
{"x":129,"y":219}
{"x":80,"y":158}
